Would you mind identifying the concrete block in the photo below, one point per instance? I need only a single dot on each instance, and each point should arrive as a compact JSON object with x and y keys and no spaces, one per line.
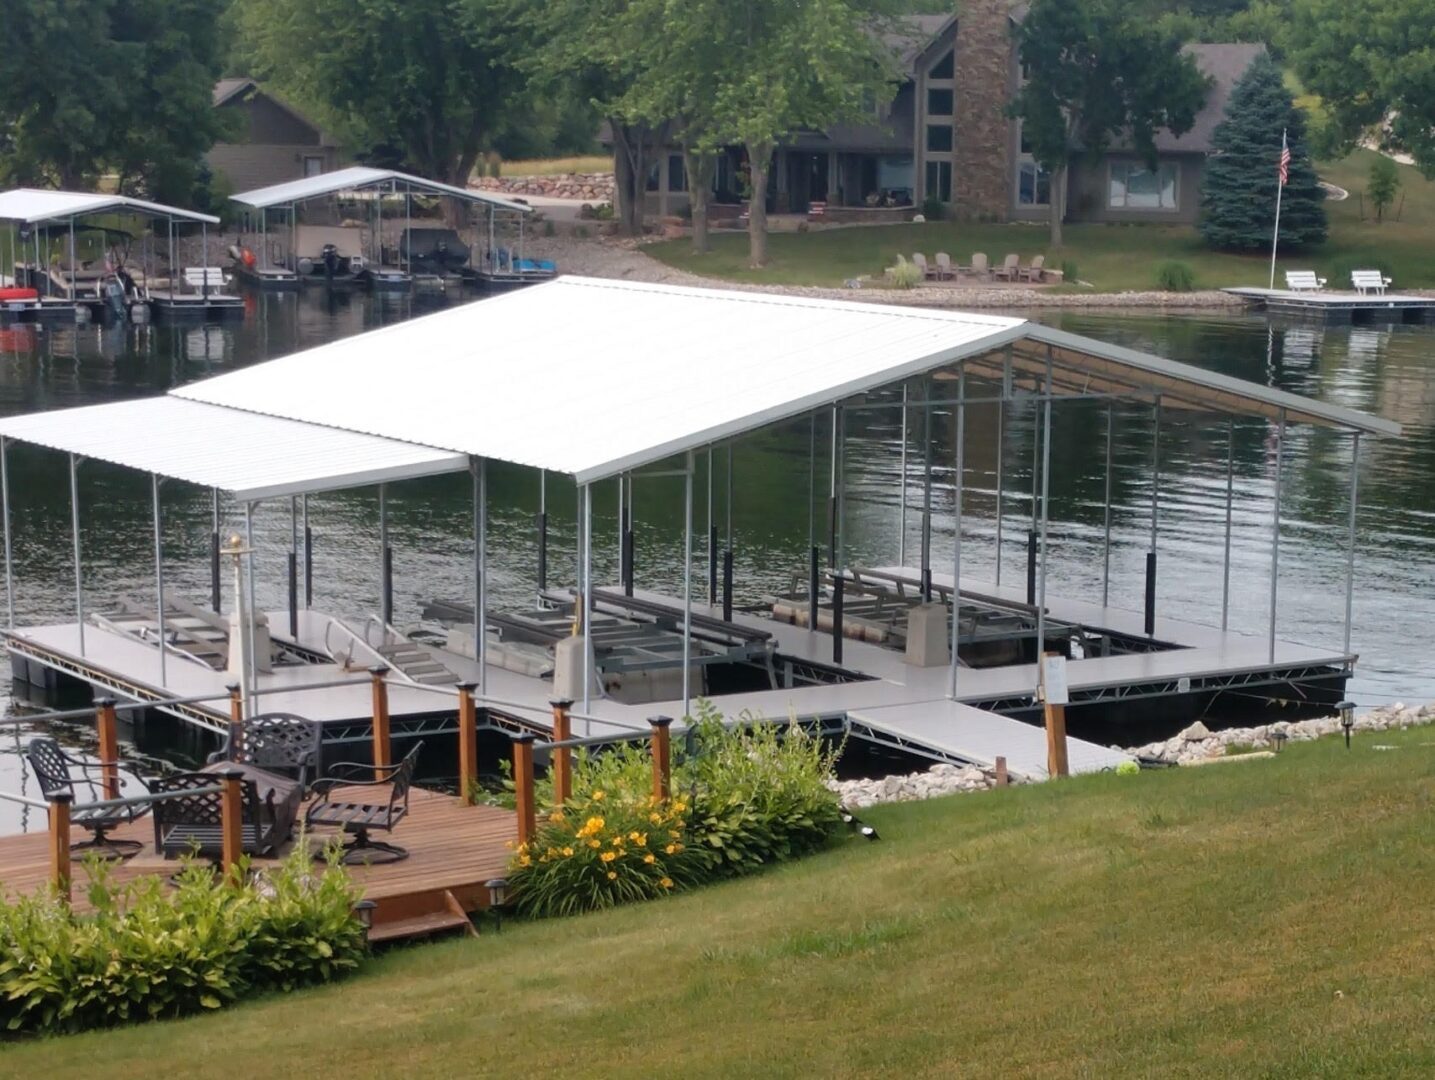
{"x":927,"y":644}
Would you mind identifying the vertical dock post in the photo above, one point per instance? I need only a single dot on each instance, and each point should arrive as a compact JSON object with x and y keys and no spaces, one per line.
{"x":388,"y":597}
{"x":523,"y":785}
{"x":562,"y":755}
{"x":727,"y":585}
{"x":1003,"y":778}
{"x":382,"y":749}
{"x":1053,"y":706}
{"x":308,"y":566}
{"x":662,"y":758}
{"x":293,"y":561}
{"x":542,"y":550}
{"x":837,"y":581}
{"x":1031,"y":566}
{"x":814,"y":586}
{"x":1149,"y":606}
{"x":107,"y":726}
{"x":712,"y":564}
{"x":60,"y":843}
{"x":236,"y":703}
{"x":231,"y":818}
{"x":467,"y":742}
{"x":214,"y":571}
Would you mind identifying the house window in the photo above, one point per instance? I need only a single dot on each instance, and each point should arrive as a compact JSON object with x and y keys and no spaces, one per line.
{"x":677,"y":176}
{"x":654,"y":174}
{"x":939,"y":138}
{"x":944,"y":67}
{"x":1033,"y":185}
{"x":939,"y":180}
{"x":313,"y":165}
{"x":1135,"y":187}
{"x":939,"y":102}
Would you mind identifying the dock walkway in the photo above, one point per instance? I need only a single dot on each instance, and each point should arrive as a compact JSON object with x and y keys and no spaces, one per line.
{"x":1341,"y":306}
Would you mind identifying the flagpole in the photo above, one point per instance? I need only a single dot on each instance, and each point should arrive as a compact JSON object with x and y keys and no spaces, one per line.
{"x":1280,"y":189}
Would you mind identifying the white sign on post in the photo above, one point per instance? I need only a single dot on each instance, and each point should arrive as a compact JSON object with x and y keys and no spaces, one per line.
{"x":1053,"y":679}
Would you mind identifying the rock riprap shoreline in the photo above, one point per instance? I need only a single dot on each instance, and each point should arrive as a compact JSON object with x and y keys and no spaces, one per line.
{"x":1196,"y":745}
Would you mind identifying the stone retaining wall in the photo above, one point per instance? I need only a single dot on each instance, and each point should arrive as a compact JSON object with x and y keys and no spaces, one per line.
{"x":590,"y":187}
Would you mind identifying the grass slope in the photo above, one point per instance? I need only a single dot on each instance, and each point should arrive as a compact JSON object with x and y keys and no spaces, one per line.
{"x":1258,"y":919}
{"x":1111,"y":257}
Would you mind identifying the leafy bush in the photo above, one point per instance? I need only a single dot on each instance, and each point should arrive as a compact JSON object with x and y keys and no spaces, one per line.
{"x":933,"y":209}
{"x":1069,"y":271}
{"x":905,"y":275}
{"x":743,"y":798}
{"x":1173,"y":275}
{"x":146,"y":952}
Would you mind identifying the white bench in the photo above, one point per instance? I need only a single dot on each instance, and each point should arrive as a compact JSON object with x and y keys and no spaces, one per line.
{"x":1364,"y":281}
{"x":204,"y":279}
{"x":1304,"y":281}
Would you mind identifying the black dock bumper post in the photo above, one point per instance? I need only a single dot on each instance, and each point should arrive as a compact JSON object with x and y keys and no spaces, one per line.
{"x":214,"y":571}
{"x":1031,"y":544}
{"x":837,"y":618}
{"x":712,"y":564}
{"x":727,"y":586}
{"x":1150,"y":594}
{"x":293,"y":561}
{"x":388,"y":598}
{"x":542,"y":550}
{"x":308,"y":567}
{"x":626,"y":560}
{"x":814,"y":584}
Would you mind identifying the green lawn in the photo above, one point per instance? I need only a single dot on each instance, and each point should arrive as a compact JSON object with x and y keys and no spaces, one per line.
{"x":1267,"y":918}
{"x":1111,"y":257}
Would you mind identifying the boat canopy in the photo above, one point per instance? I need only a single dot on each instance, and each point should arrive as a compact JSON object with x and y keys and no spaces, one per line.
{"x":250,"y":456}
{"x":30,"y":206}
{"x":593,"y":378}
{"x":363,"y":178}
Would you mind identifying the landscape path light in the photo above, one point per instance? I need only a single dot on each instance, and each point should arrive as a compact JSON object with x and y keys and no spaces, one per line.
{"x":497,"y":899}
{"x":1347,"y":719}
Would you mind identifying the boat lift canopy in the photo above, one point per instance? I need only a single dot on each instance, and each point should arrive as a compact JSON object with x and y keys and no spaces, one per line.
{"x":29,"y":206}
{"x":361,"y":178}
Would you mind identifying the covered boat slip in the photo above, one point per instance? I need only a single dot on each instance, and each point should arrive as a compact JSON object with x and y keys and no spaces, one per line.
{"x":577,"y":377}
{"x":346,"y":236}
{"x":48,"y":233}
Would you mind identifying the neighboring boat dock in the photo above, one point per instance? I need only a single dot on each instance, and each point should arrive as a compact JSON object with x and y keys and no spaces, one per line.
{"x":1341,"y":307}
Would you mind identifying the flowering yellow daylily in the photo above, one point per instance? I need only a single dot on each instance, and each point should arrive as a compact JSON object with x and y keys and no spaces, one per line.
{"x":641,"y":839}
{"x":650,"y":858}
{"x":595,"y":843}
{"x":612,"y":876}
{"x":567,"y":852}
{"x":597,"y":796}
{"x":655,"y":818}
{"x":608,"y":856}
{"x":671,"y":849}
{"x":666,"y":883}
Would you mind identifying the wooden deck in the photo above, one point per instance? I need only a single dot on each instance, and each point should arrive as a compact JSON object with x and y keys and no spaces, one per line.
{"x":453,"y":851}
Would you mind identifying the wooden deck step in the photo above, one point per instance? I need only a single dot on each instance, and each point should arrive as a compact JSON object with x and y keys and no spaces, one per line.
{"x":447,"y":914}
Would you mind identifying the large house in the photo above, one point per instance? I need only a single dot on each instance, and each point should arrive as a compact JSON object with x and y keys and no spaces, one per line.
{"x":946,"y":135}
{"x":275,"y":142}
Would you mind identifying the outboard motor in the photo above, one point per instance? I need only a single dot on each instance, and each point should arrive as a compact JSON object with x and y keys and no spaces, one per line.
{"x":330,"y":256}
{"x":115,"y":296}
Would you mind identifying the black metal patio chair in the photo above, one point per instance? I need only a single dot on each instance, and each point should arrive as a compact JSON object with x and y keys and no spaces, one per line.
{"x":336,"y":803}
{"x":194,"y":823}
{"x":280,"y":752}
{"x":84,"y":782}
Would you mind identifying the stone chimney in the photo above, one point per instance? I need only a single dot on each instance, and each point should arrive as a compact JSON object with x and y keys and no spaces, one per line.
{"x":981,"y":174}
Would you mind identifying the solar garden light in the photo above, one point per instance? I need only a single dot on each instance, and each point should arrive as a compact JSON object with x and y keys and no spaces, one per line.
{"x":1347,"y":719}
{"x":364,"y":912}
{"x":1278,"y":740}
{"x":497,"y":899}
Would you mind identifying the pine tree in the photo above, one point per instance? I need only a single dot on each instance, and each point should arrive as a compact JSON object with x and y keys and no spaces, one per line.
{"x":1238,"y":190}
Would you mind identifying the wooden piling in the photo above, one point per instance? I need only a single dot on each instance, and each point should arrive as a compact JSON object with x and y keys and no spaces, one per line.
{"x":467,"y":742}
{"x":523,"y":786}
{"x":107,"y":726}
{"x":1002,"y":776}
{"x":60,"y":843}
{"x":662,"y":758}
{"x":231,"y":820}
{"x":383,"y":751}
{"x":562,"y":755}
{"x":236,"y":704}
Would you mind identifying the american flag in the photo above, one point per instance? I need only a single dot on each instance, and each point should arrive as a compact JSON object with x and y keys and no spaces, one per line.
{"x":1285,"y":166}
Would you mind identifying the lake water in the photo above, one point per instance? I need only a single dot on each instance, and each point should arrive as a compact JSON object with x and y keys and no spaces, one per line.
{"x":1383,"y":370}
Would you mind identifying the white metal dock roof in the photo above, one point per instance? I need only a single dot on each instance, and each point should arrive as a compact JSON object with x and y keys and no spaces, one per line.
{"x":248,"y":455}
{"x":31,"y":205}
{"x":595,"y":377}
{"x":358,"y":177}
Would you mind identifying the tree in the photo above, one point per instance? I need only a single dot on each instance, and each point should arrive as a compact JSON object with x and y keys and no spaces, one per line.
{"x":1238,"y":190}
{"x":1372,"y":63}
{"x":1097,"y":71}
{"x":430,"y":77}
{"x":1382,"y":185}
{"x":88,"y":86}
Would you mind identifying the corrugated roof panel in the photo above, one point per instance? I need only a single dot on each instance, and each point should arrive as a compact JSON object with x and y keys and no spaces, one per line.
{"x":357,"y":177}
{"x":36,"y":204}
{"x":246,"y":454}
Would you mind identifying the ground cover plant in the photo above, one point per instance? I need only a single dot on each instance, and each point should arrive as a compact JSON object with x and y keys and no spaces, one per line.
{"x":145,"y":952}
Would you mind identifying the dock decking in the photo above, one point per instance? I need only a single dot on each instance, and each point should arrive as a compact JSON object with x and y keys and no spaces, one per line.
{"x":1334,"y":306}
{"x":453,"y":851}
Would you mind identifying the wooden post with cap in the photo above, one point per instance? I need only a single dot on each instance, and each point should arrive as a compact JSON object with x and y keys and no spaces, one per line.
{"x":1053,"y":704}
{"x":523,"y":785}
{"x":383,"y":754}
{"x":231,"y":820}
{"x":467,"y":742}
{"x":236,"y":704}
{"x":107,"y":727}
{"x":662,"y":758}
{"x":60,"y":843}
{"x":562,"y":755}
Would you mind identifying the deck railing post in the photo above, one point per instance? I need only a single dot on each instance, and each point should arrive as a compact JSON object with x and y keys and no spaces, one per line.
{"x":231,"y":817}
{"x":1055,"y":717}
{"x":60,"y":843}
{"x":382,"y":751}
{"x":236,"y":703}
{"x":523,"y":785}
{"x":562,"y":755}
{"x":467,"y":742}
{"x":662,"y":757}
{"x":107,"y":727}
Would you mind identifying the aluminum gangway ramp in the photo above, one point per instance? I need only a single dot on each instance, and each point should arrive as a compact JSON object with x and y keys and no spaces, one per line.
{"x":952,"y":731}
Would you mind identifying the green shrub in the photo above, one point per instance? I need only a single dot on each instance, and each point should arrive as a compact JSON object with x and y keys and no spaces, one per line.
{"x":146,"y":951}
{"x":1337,"y":272}
{"x":1069,"y":271}
{"x":905,"y":275}
{"x":1173,"y":275}
{"x":933,"y":209}
{"x":743,"y":798}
